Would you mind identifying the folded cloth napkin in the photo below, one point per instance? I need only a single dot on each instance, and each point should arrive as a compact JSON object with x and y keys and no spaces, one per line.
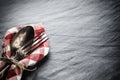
{"x":14,"y":72}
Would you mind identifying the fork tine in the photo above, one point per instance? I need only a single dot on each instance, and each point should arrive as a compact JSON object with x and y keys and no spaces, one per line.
{"x":35,"y":46}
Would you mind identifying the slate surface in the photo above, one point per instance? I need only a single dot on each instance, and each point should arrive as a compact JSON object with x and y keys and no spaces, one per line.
{"x":84,"y":36}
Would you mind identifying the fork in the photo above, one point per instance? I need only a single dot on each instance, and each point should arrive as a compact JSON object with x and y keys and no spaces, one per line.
{"x":21,"y":52}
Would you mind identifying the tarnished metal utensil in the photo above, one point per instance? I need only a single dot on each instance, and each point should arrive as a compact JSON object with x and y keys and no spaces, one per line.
{"x":21,"y":38}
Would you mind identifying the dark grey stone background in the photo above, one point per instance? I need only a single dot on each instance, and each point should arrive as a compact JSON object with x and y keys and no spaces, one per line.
{"x":84,"y":36}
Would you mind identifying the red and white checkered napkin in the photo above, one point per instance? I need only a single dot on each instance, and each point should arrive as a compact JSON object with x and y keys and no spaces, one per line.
{"x":37,"y":55}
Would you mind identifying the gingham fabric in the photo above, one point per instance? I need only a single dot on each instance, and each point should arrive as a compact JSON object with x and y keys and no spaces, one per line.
{"x":38,"y":54}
